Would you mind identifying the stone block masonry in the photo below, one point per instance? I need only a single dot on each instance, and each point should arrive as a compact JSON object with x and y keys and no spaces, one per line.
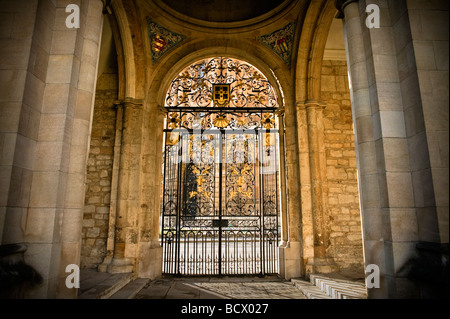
{"x":99,"y":172}
{"x":343,"y":195}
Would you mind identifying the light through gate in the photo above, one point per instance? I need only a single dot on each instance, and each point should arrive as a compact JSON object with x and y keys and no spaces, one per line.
{"x":220,"y":201}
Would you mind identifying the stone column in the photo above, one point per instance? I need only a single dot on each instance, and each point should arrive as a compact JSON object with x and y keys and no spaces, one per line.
{"x":291,"y":250}
{"x":372,"y":216}
{"x":49,"y":152}
{"x":283,"y":200}
{"x":320,"y":263}
{"x":110,"y":242}
{"x":390,"y":147}
{"x":72,"y":218}
{"x":149,"y":263}
{"x":126,"y":227}
{"x":312,"y":160}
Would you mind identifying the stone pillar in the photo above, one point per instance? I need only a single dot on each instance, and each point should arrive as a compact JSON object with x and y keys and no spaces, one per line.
{"x":110,"y":242}
{"x":291,"y":250}
{"x":149,"y":264}
{"x":49,"y":152}
{"x":126,"y":227}
{"x":391,"y":112}
{"x":373,"y":218}
{"x":312,"y":160}
{"x":283,"y":187}
{"x":320,"y":263}
{"x":427,"y":81}
{"x":282,"y":152}
{"x":72,"y":218}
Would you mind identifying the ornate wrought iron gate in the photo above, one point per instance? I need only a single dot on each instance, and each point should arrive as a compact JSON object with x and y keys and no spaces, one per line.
{"x":220,"y":193}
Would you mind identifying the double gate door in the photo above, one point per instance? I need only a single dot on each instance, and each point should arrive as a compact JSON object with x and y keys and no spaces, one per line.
{"x":220,"y":203}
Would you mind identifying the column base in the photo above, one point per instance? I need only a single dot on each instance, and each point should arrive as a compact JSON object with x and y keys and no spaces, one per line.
{"x":120,"y":266}
{"x":150,"y":260}
{"x":290,"y":260}
{"x":103,"y":267}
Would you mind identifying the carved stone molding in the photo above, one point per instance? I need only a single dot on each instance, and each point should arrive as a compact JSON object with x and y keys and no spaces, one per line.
{"x":130,"y":102}
{"x":310,"y":104}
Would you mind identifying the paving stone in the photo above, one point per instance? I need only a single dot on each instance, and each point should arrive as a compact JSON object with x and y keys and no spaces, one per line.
{"x":219,"y":288}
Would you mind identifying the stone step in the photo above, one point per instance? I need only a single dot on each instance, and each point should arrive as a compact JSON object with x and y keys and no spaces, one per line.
{"x":105,"y":288}
{"x":130,"y":290}
{"x":339,"y":288}
{"x":323,"y":287}
{"x":309,"y":289}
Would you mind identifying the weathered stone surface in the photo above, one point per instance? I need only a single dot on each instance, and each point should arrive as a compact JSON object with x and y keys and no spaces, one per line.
{"x":99,"y":168}
{"x":343,"y":195}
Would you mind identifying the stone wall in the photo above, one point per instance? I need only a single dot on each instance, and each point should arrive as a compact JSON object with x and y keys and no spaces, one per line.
{"x":343,"y":195}
{"x":99,"y":172}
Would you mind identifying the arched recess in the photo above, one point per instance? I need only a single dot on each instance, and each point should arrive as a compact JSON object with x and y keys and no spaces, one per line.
{"x":135,"y":246}
{"x":160,"y":79}
{"x":213,"y":186}
{"x":128,"y":39}
{"x":312,"y":153}
{"x":124,"y":17}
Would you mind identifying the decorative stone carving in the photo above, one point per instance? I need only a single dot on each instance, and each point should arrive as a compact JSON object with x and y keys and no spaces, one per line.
{"x":281,"y":41}
{"x":161,"y":39}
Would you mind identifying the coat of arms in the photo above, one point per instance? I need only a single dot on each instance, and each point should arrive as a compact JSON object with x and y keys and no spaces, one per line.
{"x":281,"y":41}
{"x":221,"y":94}
{"x":161,"y":39}
{"x":158,"y":43}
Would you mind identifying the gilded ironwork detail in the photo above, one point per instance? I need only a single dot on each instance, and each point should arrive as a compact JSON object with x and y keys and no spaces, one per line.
{"x":237,"y":85}
{"x":220,"y":203}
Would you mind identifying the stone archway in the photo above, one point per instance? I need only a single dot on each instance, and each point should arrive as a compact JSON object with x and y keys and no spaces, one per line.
{"x":135,"y":242}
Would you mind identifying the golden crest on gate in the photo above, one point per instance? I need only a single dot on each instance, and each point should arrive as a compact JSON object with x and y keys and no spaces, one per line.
{"x":221,"y":94}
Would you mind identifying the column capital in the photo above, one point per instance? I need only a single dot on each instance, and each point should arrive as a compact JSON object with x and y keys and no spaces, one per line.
{"x":130,"y":103}
{"x":311,"y":104}
{"x":340,"y":5}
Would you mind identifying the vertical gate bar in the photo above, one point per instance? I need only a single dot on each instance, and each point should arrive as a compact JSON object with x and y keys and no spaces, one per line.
{"x":220,"y":201}
{"x":256,"y":188}
{"x":195,"y":253}
{"x":261,"y":194}
{"x":203,"y":254}
{"x":244,"y":244}
{"x":164,"y":205}
{"x":179,"y":205}
{"x":276,"y":201}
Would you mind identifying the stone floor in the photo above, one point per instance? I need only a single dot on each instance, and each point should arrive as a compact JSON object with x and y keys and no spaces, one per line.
{"x":220,"y":288}
{"x":97,"y":285}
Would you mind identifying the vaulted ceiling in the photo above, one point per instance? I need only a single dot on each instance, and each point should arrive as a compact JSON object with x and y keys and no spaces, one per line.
{"x":223,"y":10}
